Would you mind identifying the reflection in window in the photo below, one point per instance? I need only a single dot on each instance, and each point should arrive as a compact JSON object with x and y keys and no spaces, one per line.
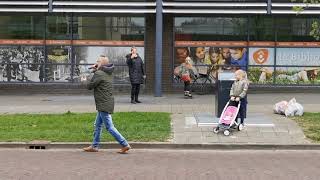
{"x":206,"y":29}
{"x":59,"y":54}
{"x":21,"y":27}
{"x":57,"y":73}
{"x":294,"y":29}
{"x":109,"y":28}
{"x":120,"y":73}
{"x":59,"y":27}
{"x":261,"y":29}
{"x":115,"y":33}
{"x":116,"y":55}
{"x":109,"y":21}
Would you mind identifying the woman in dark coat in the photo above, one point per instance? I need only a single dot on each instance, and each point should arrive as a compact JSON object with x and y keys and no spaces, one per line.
{"x":136,"y":74}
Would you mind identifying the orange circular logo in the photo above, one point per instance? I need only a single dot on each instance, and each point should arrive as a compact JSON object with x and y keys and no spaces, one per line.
{"x":261,"y":56}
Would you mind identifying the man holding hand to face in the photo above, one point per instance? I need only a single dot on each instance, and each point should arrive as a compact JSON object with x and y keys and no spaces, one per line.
{"x":101,"y":83}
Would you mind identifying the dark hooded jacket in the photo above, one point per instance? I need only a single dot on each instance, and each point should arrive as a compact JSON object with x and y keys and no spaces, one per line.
{"x":101,"y":83}
{"x":136,"y":70}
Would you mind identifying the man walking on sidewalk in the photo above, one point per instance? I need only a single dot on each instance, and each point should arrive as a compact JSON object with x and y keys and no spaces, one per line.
{"x":136,"y":74}
{"x":101,"y":82}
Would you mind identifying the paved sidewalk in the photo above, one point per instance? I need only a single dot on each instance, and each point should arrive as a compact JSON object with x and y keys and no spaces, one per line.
{"x":185,"y":131}
{"x":285,"y":131}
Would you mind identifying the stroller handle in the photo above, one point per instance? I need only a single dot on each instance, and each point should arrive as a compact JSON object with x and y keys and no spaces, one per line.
{"x":235,"y":100}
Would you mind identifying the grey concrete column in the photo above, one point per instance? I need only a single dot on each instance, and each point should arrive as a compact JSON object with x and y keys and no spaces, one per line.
{"x":158,"y":54}
{"x":269,"y":6}
{"x":50,"y":5}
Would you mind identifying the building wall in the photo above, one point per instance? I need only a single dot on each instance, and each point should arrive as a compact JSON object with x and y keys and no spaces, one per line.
{"x":150,"y":51}
{"x":274,"y":50}
{"x":167,"y":60}
{"x":270,"y":28}
{"x":167,"y":65}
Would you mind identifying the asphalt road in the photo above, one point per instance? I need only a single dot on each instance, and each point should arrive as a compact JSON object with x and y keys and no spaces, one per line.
{"x":159,"y":165}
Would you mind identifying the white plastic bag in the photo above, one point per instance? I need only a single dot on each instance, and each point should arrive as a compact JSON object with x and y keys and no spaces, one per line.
{"x":299,"y":111}
{"x":280,"y":107}
{"x":291,"y":108}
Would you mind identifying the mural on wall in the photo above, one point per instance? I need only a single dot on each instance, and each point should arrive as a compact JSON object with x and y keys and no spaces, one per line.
{"x":298,"y":57}
{"x":261,"y":61}
{"x":21,"y":63}
{"x":85,"y":56}
{"x":209,"y":61}
{"x":27,"y":63}
{"x":264,"y":66}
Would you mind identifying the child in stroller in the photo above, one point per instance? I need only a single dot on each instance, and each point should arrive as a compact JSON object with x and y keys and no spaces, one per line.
{"x":236,"y":107}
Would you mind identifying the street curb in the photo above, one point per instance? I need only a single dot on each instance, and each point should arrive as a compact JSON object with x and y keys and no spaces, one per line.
{"x":148,"y":145}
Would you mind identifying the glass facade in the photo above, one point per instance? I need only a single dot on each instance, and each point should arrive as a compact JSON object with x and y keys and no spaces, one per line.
{"x":22,"y":27}
{"x":109,"y":28}
{"x":210,"y":29}
{"x":61,"y":48}
{"x":273,"y":50}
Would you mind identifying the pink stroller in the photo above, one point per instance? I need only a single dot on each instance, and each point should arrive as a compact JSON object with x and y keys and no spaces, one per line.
{"x":228,"y":118}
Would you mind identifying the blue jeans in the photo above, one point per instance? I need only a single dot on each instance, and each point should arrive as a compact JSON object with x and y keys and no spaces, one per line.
{"x":104,"y":117}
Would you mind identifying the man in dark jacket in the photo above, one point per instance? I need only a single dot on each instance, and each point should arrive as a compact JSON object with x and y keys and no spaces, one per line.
{"x":101,"y":83}
{"x":136,"y":74}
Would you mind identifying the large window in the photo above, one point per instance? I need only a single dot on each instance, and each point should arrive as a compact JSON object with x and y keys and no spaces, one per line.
{"x":284,"y":65}
{"x":22,"y":27}
{"x":261,"y":29}
{"x":109,"y":28}
{"x":210,"y":29}
{"x":58,"y":27}
{"x":273,"y":50}
{"x":294,"y":29}
{"x":288,"y":61}
{"x":61,"y":48}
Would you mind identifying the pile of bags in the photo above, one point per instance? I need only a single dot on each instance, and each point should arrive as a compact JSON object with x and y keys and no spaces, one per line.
{"x":291,"y":108}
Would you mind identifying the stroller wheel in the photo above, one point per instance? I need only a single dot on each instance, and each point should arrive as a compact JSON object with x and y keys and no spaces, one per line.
{"x":226,"y":132}
{"x":216,"y":130}
{"x":240,"y":127}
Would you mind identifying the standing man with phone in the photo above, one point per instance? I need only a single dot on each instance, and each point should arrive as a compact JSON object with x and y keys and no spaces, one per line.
{"x":101,"y":83}
{"x":136,"y":74}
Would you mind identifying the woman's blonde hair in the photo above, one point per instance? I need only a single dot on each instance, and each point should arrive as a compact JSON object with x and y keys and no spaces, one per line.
{"x":242,"y":73}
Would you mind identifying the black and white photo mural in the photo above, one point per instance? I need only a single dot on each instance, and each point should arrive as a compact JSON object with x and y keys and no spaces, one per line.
{"x":21,"y":63}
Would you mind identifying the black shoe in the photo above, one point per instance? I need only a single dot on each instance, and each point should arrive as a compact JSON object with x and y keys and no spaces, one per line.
{"x":133,"y":102}
{"x":137,"y":101}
